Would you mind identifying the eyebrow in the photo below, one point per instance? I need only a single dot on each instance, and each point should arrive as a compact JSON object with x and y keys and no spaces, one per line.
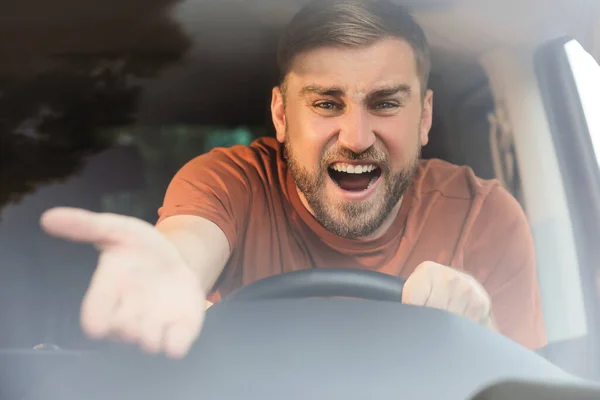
{"x":402,"y":89}
{"x":336,"y":91}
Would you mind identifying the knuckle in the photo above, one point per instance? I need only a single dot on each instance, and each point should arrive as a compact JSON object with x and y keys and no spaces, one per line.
{"x":130,"y":332}
{"x":426,"y":266}
{"x":479,"y":308}
{"x":150,"y":340}
{"x":94,"y":328}
{"x":470,"y":290}
{"x":459,"y":283}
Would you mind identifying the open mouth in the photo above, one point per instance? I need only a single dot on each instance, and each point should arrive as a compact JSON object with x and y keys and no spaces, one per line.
{"x":354,"y":177}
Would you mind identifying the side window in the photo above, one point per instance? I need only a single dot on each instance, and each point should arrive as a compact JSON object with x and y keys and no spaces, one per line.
{"x":586,"y":73}
{"x":569,"y":81}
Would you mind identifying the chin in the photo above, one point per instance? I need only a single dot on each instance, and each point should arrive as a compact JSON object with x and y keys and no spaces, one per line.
{"x":352,"y":219}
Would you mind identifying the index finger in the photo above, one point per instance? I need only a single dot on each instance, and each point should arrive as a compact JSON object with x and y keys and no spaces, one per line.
{"x":84,"y":226}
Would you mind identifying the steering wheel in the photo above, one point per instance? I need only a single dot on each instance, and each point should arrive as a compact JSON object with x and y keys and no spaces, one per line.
{"x":262,"y":342}
{"x":323,"y":282}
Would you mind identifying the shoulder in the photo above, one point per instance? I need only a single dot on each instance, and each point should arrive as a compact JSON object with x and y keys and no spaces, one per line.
{"x":485,"y":201}
{"x":452,"y":181}
{"x":260,"y":150}
{"x":250,"y":161}
{"x":263,"y":150}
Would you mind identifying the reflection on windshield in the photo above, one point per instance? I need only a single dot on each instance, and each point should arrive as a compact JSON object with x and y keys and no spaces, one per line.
{"x":162,"y":151}
{"x":99,"y":107}
{"x":42,"y":280}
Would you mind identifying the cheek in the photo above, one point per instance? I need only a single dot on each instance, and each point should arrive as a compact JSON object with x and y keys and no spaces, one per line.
{"x":400,"y":135}
{"x":315,"y":128}
{"x":310,"y":134}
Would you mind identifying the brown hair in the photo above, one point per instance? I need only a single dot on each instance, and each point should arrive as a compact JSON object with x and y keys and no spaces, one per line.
{"x":351,"y":23}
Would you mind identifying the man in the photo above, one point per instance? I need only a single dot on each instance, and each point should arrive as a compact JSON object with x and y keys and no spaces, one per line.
{"x":341,"y":186}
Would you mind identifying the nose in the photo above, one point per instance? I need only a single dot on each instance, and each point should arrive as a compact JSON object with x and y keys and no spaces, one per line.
{"x":355,"y":132}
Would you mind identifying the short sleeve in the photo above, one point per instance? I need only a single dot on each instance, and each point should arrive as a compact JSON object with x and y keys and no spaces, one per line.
{"x":213,"y":186}
{"x":500,"y":254}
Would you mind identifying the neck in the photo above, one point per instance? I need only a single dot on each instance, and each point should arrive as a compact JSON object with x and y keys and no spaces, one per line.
{"x":379,"y":232}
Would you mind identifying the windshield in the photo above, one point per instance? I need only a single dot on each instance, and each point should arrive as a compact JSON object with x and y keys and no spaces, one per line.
{"x":101,"y":105}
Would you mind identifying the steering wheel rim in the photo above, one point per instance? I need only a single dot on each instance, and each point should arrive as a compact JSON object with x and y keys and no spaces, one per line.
{"x":323,"y":282}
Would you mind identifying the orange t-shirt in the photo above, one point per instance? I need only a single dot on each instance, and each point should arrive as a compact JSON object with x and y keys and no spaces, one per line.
{"x":448,"y":216}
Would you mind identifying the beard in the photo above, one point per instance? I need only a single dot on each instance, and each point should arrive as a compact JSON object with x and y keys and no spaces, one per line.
{"x":349,"y":219}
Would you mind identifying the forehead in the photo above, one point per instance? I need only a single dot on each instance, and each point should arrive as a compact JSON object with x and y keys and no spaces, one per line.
{"x":387,"y":61}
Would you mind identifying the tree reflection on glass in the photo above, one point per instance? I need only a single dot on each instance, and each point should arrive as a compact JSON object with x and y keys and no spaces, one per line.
{"x":50,"y":124}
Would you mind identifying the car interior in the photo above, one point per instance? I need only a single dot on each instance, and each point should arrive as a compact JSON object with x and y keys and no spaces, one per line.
{"x":102,"y":102}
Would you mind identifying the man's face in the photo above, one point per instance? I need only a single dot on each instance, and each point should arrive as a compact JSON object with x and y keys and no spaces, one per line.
{"x":353,"y":122}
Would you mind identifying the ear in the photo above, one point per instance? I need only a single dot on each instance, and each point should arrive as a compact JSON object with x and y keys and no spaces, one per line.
{"x":426,"y":117}
{"x":278,"y":113}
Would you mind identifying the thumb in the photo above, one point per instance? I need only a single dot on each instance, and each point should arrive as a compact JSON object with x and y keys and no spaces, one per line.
{"x":101,"y":229}
{"x":418,"y":287}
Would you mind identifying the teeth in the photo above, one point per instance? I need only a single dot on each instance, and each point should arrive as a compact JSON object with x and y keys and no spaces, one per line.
{"x":353,"y":169}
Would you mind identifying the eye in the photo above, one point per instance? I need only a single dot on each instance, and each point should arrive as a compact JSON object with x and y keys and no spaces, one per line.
{"x":327,"y":105}
{"x":386,"y":105}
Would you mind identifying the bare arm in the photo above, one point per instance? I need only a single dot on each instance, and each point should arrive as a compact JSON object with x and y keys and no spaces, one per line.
{"x":201,"y":243}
